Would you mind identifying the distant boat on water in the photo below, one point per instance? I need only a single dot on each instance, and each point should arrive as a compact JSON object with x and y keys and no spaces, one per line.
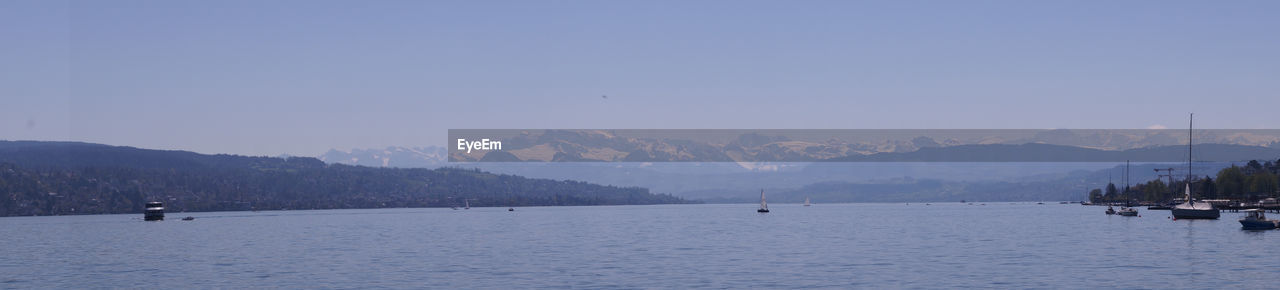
{"x":1192,"y":209}
{"x":764,"y":206}
{"x":467,"y":202}
{"x":1257,"y":220}
{"x":1128,"y":209}
{"x":154,"y":211}
{"x":806,"y":201}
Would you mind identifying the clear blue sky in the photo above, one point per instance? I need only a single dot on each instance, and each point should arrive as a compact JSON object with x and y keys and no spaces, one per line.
{"x":300,"y":77}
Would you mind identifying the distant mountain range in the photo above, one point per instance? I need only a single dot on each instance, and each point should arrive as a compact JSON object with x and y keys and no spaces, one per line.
{"x":850,"y":145}
{"x":1066,"y":186}
{"x":401,"y":157}
{"x":982,"y":165}
{"x":1034,"y":152}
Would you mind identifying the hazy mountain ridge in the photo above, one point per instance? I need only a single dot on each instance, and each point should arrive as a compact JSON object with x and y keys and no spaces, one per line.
{"x":948,"y":163}
{"x":1036,"y":152}
{"x":612,"y":146}
{"x":393,"y":156}
{"x":1070,"y":186}
{"x":42,"y":154}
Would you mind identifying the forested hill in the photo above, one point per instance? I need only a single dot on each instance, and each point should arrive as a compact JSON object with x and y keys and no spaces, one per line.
{"x":52,"y":178}
{"x":40,"y":154}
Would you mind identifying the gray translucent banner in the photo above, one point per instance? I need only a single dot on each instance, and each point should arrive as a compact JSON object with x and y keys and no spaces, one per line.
{"x":859,"y":145}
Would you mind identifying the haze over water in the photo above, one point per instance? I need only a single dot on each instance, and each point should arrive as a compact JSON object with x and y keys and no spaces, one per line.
{"x":942,"y":245}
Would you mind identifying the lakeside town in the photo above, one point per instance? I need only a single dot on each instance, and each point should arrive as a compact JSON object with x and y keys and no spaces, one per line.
{"x":1253,"y":185}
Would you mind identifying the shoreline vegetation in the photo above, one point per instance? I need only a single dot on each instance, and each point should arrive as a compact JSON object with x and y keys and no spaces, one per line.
{"x":64,"y":178}
{"x":67,"y":178}
{"x":1251,"y":183}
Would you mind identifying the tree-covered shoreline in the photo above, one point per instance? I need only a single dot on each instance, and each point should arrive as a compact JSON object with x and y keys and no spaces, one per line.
{"x":46,"y":182}
{"x":1251,"y":182}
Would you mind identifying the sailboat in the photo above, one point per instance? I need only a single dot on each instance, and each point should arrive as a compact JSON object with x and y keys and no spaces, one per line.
{"x":1127,"y":210}
{"x":1192,"y":209}
{"x":764,"y":206}
{"x":806,"y":201}
{"x":467,"y":202}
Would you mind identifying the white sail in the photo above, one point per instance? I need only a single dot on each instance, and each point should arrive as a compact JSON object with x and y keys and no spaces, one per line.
{"x":806,"y":201}
{"x":763,"y":204}
{"x":1188,"y":191}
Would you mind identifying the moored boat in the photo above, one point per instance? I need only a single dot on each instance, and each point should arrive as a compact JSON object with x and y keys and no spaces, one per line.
{"x":1192,"y":209}
{"x":1256,"y":219}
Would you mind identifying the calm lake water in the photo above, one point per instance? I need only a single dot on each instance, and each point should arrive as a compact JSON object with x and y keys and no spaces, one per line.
{"x":943,"y":245}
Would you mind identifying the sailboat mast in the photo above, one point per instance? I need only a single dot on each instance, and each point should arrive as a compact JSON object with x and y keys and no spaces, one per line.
{"x":1190,"y":124}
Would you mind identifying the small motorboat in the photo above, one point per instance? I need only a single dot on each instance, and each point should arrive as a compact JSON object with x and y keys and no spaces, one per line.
{"x":511,"y":209}
{"x":1110,"y":210}
{"x":190,"y":218}
{"x":1127,"y":211}
{"x":1257,"y":220}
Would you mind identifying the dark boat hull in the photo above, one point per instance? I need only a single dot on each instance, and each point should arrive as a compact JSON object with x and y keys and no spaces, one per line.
{"x":153,"y":215}
{"x":1258,"y":225}
{"x":1208,"y":214}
